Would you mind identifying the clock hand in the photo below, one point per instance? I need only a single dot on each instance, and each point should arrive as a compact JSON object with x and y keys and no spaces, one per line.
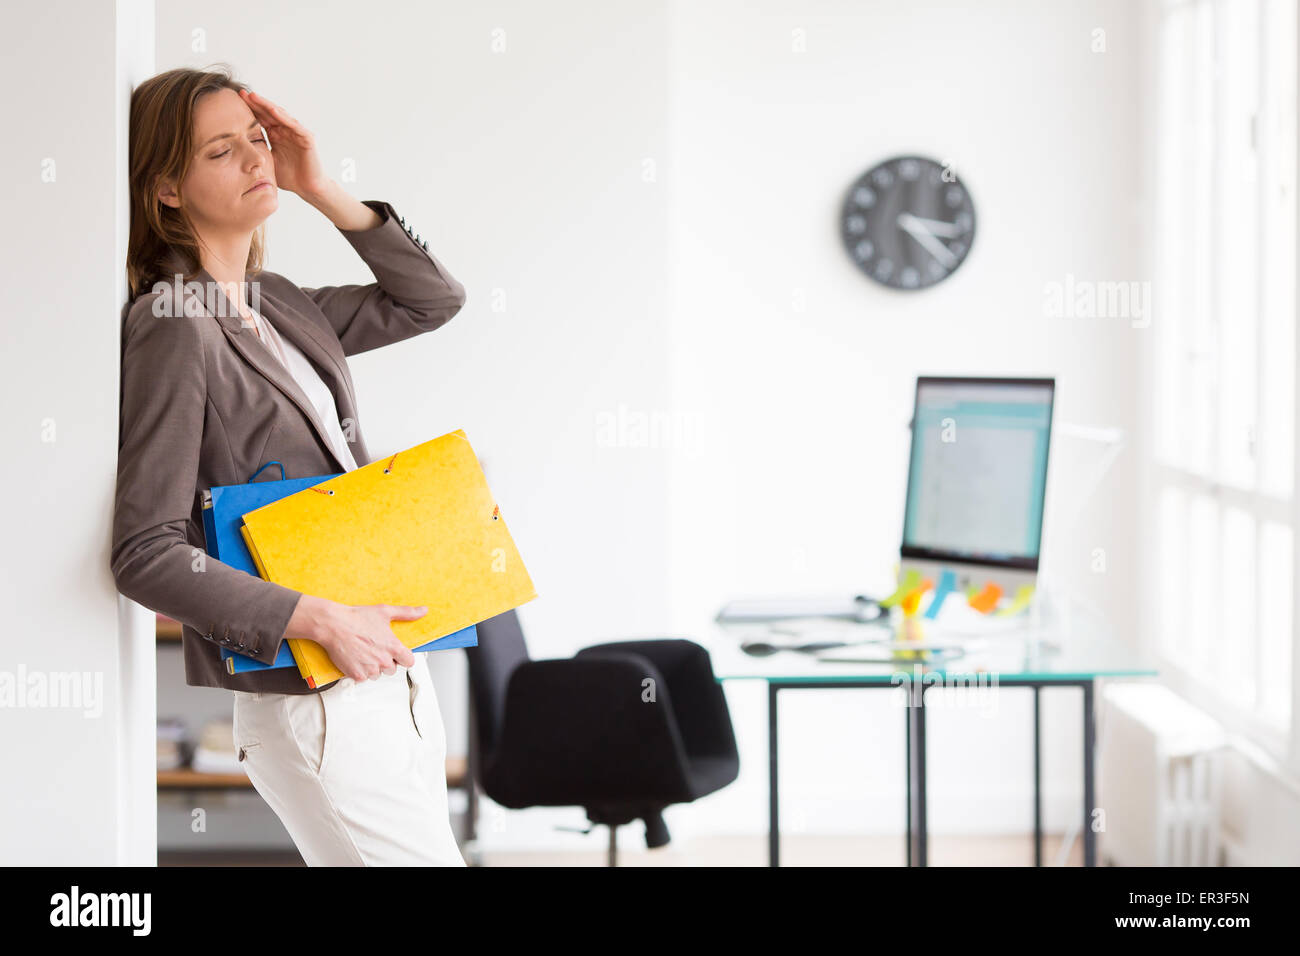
{"x":949,"y":230}
{"x":927,"y":240}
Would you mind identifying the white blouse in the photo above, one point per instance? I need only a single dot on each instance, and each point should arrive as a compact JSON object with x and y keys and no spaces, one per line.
{"x":291,"y":357}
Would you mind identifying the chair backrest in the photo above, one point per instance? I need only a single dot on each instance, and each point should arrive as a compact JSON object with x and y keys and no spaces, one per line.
{"x":500,"y":650}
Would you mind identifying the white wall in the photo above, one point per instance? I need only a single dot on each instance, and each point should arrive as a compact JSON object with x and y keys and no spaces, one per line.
{"x":80,"y":767}
{"x":805,"y":369}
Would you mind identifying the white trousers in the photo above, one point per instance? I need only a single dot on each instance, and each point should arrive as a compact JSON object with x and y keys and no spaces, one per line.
{"x":356,"y":773}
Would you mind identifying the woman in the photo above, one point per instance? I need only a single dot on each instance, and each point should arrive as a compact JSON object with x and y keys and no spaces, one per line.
{"x":226,"y":366}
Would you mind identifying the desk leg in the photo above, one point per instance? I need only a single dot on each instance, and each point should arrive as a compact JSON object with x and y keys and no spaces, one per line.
{"x":1089,"y":798}
{"x":1038,"y":784}
{"x":907,"y":756}
{"x":922,"y":823}
{"x":916,"y":770}
{"x":774,"y":825}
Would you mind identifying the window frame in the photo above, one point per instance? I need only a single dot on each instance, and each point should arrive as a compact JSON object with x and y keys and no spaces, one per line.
{"x":1198,"y":683}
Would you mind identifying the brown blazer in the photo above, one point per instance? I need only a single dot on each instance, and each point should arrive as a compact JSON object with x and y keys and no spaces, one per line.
{"x":204,"y":403}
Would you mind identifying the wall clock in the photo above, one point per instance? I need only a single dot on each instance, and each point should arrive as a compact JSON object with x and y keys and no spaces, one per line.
{"x":908,"y":222}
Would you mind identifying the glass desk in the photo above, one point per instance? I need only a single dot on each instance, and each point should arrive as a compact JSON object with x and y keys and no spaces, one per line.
{"x":1016,"y":656}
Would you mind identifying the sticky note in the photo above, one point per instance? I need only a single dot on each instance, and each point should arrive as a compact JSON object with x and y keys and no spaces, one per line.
{"x":1019,"y":602}
{"x":987,"y":599}
{"x":947,"y":584}
{"x":912,"y":600}
{"x":910,"y":580}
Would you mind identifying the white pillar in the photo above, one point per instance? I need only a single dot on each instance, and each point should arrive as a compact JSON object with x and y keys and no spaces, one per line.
{"x":79,"y":768}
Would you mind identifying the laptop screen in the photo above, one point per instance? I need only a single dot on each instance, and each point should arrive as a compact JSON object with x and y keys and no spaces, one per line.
{"x":978,"y":472}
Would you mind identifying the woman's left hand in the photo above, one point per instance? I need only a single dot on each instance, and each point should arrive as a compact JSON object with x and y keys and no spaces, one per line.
{"x":293,"y":148}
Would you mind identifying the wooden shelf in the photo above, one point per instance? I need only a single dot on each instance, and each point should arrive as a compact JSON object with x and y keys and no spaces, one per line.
{"x":168,"y":630}
{"x":185,"y":779}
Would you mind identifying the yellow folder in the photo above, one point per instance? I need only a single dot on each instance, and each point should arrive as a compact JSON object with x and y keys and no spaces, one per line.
{"x":418,"y":528}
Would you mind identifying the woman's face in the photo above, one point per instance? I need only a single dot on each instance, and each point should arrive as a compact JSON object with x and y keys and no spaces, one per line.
{"x":231,"y":156}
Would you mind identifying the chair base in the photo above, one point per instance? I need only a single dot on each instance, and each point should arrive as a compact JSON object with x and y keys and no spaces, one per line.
{"x":656,"y":830}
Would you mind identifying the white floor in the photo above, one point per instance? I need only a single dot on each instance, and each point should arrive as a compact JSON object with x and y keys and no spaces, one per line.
{"x":807,"y":851}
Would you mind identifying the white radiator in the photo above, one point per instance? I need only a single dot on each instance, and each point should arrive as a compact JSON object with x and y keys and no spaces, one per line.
{"x":1159,"y":780}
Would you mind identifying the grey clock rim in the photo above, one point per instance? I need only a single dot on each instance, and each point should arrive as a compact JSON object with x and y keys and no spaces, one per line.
{"x":858,"y":181}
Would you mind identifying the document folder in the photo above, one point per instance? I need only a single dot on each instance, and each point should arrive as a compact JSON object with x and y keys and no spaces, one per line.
{"x":223,"y":509}
{"x":418,"y":528}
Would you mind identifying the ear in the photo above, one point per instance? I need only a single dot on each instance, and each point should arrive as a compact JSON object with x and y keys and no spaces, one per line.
{"x":167,"y":195}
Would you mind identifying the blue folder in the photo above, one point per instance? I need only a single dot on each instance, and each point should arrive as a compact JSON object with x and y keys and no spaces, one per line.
{"x":224,"y":507}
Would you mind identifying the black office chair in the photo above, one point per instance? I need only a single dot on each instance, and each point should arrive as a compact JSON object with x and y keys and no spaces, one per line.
{"x":622,"y":729}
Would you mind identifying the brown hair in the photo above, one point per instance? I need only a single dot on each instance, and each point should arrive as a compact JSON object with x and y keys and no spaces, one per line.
{"x":162,"y":147}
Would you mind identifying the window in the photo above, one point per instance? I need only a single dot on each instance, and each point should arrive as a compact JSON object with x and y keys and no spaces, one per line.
{"x":1224,"y":360}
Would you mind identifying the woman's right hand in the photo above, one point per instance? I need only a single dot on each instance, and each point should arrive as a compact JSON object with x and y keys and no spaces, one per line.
{"x":358,"y":638}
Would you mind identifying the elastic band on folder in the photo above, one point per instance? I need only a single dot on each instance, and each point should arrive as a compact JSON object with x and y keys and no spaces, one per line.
{"x":267,"y":465}
{"x":329,"y":491}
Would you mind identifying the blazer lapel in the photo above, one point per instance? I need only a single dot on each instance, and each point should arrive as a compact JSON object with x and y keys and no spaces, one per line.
{"x":309,"y":339}
{"x":259,"y":356}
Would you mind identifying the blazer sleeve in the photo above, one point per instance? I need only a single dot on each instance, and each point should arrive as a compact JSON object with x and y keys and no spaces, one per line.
{"x":415,"y":292}
{"x":164,"y":400}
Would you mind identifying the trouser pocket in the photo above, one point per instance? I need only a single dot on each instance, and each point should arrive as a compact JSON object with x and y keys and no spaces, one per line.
{"x":307,"y":718}
{"x":245,"y":737}
{"x":413,"y":689}
{"x":424,"y":707}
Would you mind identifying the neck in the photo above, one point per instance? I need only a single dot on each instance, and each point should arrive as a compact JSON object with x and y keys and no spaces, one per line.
{"x":225,"y":259}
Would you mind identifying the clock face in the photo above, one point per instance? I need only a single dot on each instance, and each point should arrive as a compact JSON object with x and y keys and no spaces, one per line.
{"x":908,"y":222}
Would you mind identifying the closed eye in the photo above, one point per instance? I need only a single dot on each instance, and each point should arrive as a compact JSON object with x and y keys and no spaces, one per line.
{"x":227,"y":152}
